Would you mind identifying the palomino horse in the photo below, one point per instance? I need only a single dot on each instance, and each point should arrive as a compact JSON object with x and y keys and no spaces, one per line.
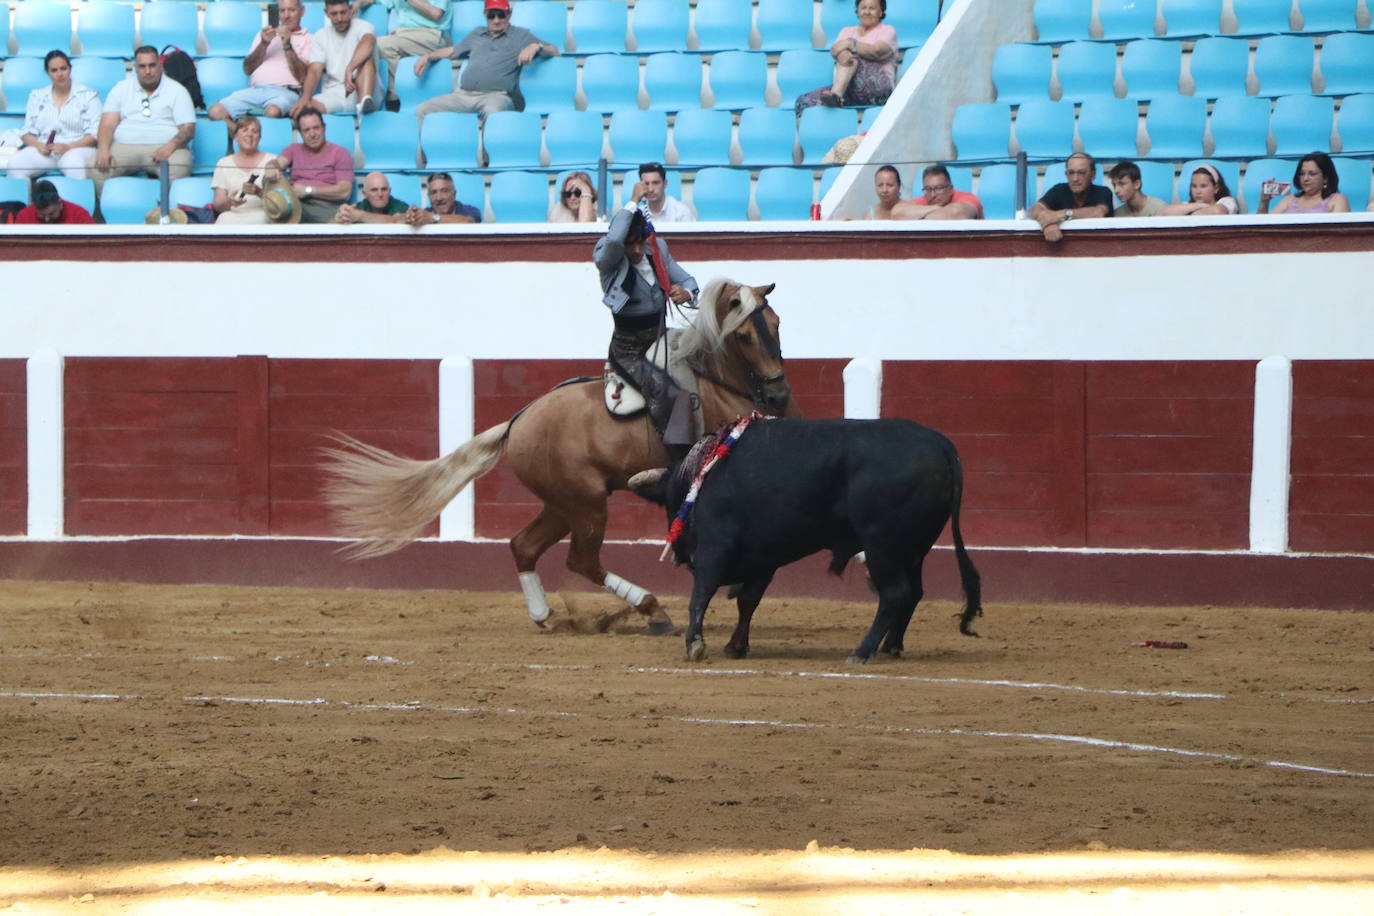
{"x":570,"y":453}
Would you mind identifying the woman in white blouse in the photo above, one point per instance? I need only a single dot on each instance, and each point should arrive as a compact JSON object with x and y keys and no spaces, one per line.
{"x":60,"y":125}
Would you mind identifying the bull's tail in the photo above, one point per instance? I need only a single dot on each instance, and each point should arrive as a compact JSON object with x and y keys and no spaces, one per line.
{"x":384,"y":501}
{"x":968,"y":573}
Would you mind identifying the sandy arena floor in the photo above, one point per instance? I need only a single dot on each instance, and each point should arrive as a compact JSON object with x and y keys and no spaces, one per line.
{"x":175,"y":750}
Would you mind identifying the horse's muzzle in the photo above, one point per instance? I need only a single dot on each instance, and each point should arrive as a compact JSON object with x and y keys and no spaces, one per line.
{"x":776,"y":394}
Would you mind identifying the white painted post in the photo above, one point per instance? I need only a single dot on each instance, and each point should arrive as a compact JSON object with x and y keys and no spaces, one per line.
{"x":45,"y":445}
{"x":863,"y":389}
{"x":457,"y":522}
{"x":1269,"y":466}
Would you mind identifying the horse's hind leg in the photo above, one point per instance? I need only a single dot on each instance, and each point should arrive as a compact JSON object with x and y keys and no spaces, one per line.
{"x":584,"y":558}
{"x":528,"y":546}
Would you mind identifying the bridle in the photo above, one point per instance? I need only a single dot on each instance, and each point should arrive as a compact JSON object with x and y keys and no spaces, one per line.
{"x":759,"y":383}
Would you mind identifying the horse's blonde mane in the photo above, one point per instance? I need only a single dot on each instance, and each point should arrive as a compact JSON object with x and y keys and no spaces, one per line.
{"x":705,"y":338}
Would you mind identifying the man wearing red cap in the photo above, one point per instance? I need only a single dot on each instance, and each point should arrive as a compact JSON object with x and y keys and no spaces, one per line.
{"x":495,"y":54}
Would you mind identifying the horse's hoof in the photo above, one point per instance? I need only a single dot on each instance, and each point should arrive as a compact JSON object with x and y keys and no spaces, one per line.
{"x":856,"y":660}
{"x":696,"y":651}
{"x":661,"y":628}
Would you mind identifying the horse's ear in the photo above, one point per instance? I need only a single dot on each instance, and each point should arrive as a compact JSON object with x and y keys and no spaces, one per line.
{"x":650,"y":485}
{"x":763,"y":291}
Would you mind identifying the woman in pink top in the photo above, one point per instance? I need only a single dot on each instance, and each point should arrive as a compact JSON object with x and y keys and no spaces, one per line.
{"x":865,"y":62}
{"x":1317,"y":189}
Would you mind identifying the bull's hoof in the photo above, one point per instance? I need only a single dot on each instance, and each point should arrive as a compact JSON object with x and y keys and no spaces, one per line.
{"x":696,"y":650}
{"x":732,"y":651}
{"x":856,"y":660}
{"x":894,"y":652}
{"x":662,"y":627}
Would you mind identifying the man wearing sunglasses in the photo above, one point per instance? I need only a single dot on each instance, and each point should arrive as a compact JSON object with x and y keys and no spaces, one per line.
{"x":495,"y":54}
{"x":148,"y":119}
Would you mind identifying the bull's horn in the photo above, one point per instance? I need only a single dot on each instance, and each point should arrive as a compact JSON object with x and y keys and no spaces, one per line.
{"x":647,"y":478}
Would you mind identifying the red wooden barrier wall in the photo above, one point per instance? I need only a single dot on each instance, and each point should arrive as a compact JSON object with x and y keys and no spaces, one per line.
{"x":1331,"y":504}
{"x":13,"y":447}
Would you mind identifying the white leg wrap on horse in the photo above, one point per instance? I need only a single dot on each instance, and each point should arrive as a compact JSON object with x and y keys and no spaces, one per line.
{"x":535,"y":599}
{"x":628,"y":592}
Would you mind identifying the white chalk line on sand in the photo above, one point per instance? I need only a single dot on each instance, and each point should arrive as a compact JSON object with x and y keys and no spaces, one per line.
{"x":417,"y":706}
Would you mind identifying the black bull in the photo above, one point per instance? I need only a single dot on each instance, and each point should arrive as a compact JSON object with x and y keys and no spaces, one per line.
{"x":794,"y":487}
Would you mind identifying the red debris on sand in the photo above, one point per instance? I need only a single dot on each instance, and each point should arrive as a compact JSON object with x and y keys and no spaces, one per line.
{"x":1160,"y":644}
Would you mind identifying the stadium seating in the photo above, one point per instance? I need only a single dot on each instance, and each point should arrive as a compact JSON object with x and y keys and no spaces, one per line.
{"x":1058,"y":21}
{"x":1108,"y":128}
{"x":1123,"y":20}
{"x":785,"y":25}
{"x":390,"y":141}
{"x":1258,"y":171}
{"x":208,"y":146}
{"x":1021,"y":72}
{"x":1044,"y":129}
{"x":547,"y":19}
{"x":997,"y":191}
{"x":800,"y":71}
{"x":520,"y":197}
{"x":721,"y":194}
{"x":14,"y":189}
{"x":1355,"y":124}
{"x":80,"y":191}
{"x":638,"y":136}
{"x":599,"y":26}
{"x":469,"y":15}
{"x":661,"y":25}
{"x":126,"y":200}
{"x":1347,"y":63}
{"x":1176,"y":125}
{"x":102,"y":73}
{"x":161,"y":24}
{"x":1157,"y":179}
{"x":783,"y":193}
{"x":980,"y":131}
{"x":702,"y":137}
{"x":1151,"y":67}
{"x":437,"y":80}
{"x":1301,"y":124}
{"x":738,"y":79}
{"x":1355,"y":181}
{"x":1255,"y":18}
{"x":818,"y":129}
{"x":1240,"y":127}
{"x":673,"y":81}
{"x":547,"y":84}
{"x":193,"y":192}
{"x":40,"y":26}
{"x":610,"y":82}
{"x":312,"y":18}
{"x":448,"y":140}
{"x":1191,"y":18}
{"x":231,"y":27}
{"x":766,"y":136}
{"x":913,"y":21}
{"x":20,"y":77}
{"x":106,"y":29}
{"x":511,"y":140}
{"x":218,"y":77}
{"x":722,"y":25}
{"x":574,"y":138}
{"x":277,"y":134}
{"x":1086,"y":70}
{"x":468,"y":188}
{"x":1283,"y":65}
{"x":1327,"y":15}
{"x":1218,"y":67}
{"x":836,"y":15}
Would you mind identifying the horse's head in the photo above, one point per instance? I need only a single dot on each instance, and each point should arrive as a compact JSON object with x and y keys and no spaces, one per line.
{"x":737,"y":337}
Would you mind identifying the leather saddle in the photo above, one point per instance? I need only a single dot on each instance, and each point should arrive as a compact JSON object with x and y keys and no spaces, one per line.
{"x":623,"y":399}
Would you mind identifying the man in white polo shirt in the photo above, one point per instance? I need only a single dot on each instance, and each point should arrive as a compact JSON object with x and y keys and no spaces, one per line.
{"x":148,"y":119}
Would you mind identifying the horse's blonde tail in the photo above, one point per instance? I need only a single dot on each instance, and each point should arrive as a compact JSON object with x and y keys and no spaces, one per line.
{"x":384,"y":501}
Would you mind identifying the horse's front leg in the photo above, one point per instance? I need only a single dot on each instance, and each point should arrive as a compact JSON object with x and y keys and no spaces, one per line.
{"x":584,"y":558}
{"x":528,"y":545}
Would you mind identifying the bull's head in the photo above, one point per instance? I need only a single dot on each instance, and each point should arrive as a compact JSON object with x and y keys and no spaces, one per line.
{"x":651,"y":485}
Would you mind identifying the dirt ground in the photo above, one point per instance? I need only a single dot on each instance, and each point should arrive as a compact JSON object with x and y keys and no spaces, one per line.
{"x":359,"y":750}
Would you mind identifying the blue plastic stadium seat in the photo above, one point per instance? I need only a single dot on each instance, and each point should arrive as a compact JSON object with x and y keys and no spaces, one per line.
{"x":721,"y":194}
{"x":786,"y":24}
{"x":1151,"y":68}
{"x":1108,"y":128}
{"x":104,"y":29}
{"x":1355,"y":124}
{"x":783,"y":193}
{"x":1176,"y":126}
{"x":1301,"y":124}
{"x":980,"y":131}
{"x":1230,"y":171}
{"x":1058,"y":21}
{"x":800,"y":71}
{"x":611,"y":82}
{"x":162,"y":24}
{"x":739,"y":79}
{"x":661,"y":25}
{"x":219,"y":76}
{"x":828,"y":176}
{"x":959,"y":176}
{"x":1327,"y":15}
{"x":20,"y":77}
{"x":1021,"y":72}
{"x":1261,"y":17}
{"x":390,"y":141}
{"x":1240,"y":127}
{"x":574,"y":138}
{"x":1123,"y":20}
{"x":722,"y":25}
{"x":14,"y":189}
{"x":520,"y":197}
{"x":547,"y":84}
{"x":673,"y":81}
{"x":378,"y":17}
{"x":600,"y":26}
{"x":767,"y":136}
{"x":702,"y":137}
{"x":835,"y":15}
{"x":126,"y":200}
{"x":819,"y":127}
{"x":1218,"y":67}
{"x":1284,"y":64}
{"x":997,"y":191}
{"x":913,"y":21}
{"x":448,"y":140}
{"x":80,"y":191}
{"x":41,"y":26}
{"x":1087,"y":70}
{"x":1044,"y":129}
{"x":194,"y":191}
{"x":1347,"y":63}
{"x":1191,"y":18}
{"x":437,"y":80}
{"x":547,"y":19}
{"x":209,"y":145}
{"x":277,"y":134}
{"x":1258,"y":171}
{"x":1157,"y":179}
{"x":231,"y":27}
{"x":638,"y":136}
{"x":511,"y":139}
{"x":469,"y":15}
{"x":102,"y":73}
{"x":312,"y":19}
{"x":1355,"y":181}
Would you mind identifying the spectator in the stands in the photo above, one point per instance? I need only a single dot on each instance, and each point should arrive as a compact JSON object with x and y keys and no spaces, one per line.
{"x":1075,"y":198}
{"x":939,"y":199}
{"x":420,"y":26}
{"x":321,"y":172}
{"x":1208,"y":195}
{"x":887,"y":187}
{"x":651,"y":194}
{"x":276,"y":66}
{"x":444,"y":205}
{"x":377,"y":205}
{"x":49,"y":208}
{"x":60,"y":125}
{"x":1125,"y":178}
{"x":865,"y":61}
{"x":343,"y":72}
{"x":148,"y":119}
{"x":576,"y":202}
{"x":239,"y":177}
{"x":1316,"y":188}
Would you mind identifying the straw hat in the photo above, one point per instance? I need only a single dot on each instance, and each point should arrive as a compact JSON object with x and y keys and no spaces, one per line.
{"x":280,"y":202}
{"x":174,"y":215}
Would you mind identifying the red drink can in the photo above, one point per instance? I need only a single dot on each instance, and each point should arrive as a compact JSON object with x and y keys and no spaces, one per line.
{"x":815,"y":211}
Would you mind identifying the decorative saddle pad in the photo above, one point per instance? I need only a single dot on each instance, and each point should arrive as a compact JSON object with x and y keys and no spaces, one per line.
{"x":624,"y":400}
